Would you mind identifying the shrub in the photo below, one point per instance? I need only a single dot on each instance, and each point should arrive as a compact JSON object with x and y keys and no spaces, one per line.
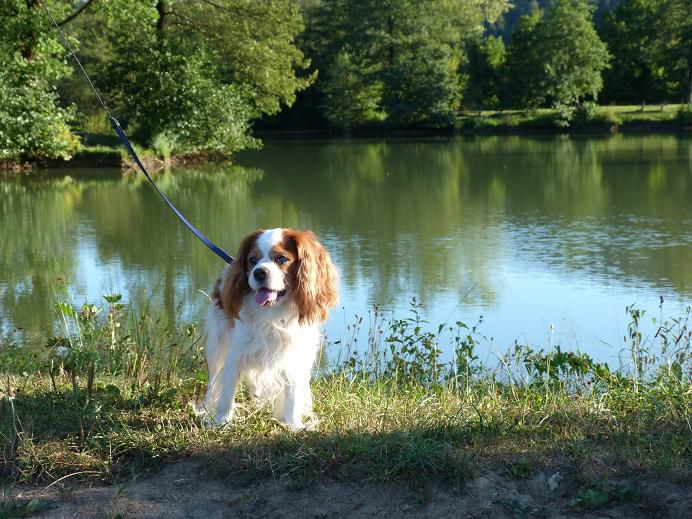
{"x":589,"y":113}
{"x":684,"y":115}
{"x":32,"y":124}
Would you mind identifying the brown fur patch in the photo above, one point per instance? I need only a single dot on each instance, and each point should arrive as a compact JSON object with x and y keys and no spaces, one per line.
{"x":316,"y":279}
{"x":235,"y":286}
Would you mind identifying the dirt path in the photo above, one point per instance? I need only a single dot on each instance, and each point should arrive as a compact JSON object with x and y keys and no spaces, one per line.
{"x":181,"y":490}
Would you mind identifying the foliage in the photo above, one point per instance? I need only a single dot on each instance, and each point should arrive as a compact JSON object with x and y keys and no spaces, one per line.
{"x":565,"y":55}
{"x":200,"y":114}
{"x":650,"y":41}
{"x":675,"y":44}
{"x":122,"y":341}
{"x":349,"y":98}
{"x":518,"y":88}
{"x":33,"y":124}
{"x":396,"y":61}
{"x":186,"y":70}
{"x":685,"y":115}
{"x":630,"y":31}
{"x":193,"y":76}
{"x":486,"y":58}
{"x":414,"y":354}
{"x":253,"y":45}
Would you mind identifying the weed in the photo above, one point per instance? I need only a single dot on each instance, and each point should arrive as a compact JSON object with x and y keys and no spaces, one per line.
{"x":684,"y":115}
{"x":12,"y":507}
{"x":108,"y":397}
{"x":521,"y":468}
{"x":595,"y":496}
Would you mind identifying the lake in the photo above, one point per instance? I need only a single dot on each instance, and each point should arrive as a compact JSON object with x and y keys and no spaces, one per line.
{"x":549,"y":239}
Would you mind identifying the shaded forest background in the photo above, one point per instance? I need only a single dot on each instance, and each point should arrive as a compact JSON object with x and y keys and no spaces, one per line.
{"x":195,"y":76}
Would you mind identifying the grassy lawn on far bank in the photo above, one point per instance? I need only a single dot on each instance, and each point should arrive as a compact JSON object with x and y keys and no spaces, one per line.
{"x":666,"y":117}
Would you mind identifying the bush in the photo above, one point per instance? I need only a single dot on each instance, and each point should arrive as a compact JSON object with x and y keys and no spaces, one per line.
{"x":585,"y":113}
{"x":181,"y":98}
{"x":32,"y":124}
{"x":564,"y":115}
{"x":608,"y":116}
{"x":589,"y":113}
{"x":684,"y":115}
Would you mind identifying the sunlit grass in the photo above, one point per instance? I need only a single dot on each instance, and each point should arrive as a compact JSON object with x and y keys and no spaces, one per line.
{"x":109,"y":399}
{"x":624,"y":115}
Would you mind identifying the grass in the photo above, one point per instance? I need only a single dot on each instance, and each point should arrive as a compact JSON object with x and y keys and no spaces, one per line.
{"x":607,"y":117}
{"x":109,"y":399}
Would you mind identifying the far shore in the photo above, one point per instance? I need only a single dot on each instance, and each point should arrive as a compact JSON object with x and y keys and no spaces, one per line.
{"x":103,"y":150}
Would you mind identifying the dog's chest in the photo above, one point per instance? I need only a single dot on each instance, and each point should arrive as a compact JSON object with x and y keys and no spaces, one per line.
{"x":265,"y":338}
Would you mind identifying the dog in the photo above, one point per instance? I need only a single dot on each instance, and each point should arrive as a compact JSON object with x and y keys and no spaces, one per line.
{"x":263,"y":326}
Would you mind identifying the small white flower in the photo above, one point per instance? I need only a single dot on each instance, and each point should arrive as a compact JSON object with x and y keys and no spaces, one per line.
{"x":62,"y":351}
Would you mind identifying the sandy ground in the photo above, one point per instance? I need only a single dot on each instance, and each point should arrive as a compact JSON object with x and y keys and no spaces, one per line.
{"x":183,"y":490}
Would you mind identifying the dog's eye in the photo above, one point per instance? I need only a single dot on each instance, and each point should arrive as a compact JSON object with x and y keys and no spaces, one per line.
{"x":252,"y":261}
{"x":281,"y":260}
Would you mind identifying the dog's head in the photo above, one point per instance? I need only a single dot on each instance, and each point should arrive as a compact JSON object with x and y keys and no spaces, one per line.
{"x":282,"y":266}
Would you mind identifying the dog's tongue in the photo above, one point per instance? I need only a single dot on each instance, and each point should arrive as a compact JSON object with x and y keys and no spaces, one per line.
{"x":264,"y":295}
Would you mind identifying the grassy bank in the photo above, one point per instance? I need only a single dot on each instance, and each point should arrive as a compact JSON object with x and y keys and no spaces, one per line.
{"x":109,"y":399}
{"x":100,"y":147}
{"x":606,"y":119}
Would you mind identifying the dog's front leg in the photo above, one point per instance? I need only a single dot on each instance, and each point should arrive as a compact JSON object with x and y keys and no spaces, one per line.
{"x":294,"y":402}
{"x":229,"y":378}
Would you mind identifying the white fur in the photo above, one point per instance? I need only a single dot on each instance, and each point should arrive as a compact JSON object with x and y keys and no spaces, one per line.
{"x":265,"y":242}
{"x":266,"y":347}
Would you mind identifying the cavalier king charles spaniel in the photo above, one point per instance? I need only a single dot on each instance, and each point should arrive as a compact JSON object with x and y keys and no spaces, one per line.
{"x":263,"y":327}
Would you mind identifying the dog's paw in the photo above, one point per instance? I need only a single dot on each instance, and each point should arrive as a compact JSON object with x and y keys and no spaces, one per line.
{"x":223,"y":418}
{"x":293,"y":426}
{"x":298,"y":425}
{"x":311,"y":422}
{"x":202,"y":413}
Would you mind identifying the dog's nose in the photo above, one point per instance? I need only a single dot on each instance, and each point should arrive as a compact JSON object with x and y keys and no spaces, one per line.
{"x":259,"y":274}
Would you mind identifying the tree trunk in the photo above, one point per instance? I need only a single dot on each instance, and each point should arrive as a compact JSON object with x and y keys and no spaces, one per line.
{"x":31,"y":37}
{"x":390,"y":30}
{"x":161,"y":9}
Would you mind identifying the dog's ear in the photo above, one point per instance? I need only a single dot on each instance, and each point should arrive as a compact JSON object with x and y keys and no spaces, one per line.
{"x":235,"y":284}
{"x":316,"y":278}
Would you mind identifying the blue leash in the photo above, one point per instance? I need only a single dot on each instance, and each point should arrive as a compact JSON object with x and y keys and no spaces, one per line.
{"x":123,"y":138}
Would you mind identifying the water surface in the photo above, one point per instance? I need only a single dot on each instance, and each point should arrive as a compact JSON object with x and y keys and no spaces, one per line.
{"x":547,"y":238}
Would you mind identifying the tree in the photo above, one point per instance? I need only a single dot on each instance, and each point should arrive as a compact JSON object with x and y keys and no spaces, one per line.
{"x":195,"y":73}
{"x":349,"y":98}
{"x":631,"y":31}
{"x":519,"y":88}
{"x":561,"y":55}
{"x":253,"y":44}
{"x":32,"y":122}
{"x":486,"y":57}
{"x":399,"y":59}
{"x":573,"y":54}
{"x":675,"y":44}
{"x":424,"y":49}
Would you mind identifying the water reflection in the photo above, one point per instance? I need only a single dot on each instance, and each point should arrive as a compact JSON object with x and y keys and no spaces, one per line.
{"x":512,"y":227}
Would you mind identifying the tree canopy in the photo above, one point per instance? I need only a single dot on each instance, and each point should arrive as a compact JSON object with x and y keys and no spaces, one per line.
{"x":396,"y":62}
{"x":196,"y":75}
{"x":651,"y":43}
{"x":196,"y":72}
{"x":32,"y":121}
